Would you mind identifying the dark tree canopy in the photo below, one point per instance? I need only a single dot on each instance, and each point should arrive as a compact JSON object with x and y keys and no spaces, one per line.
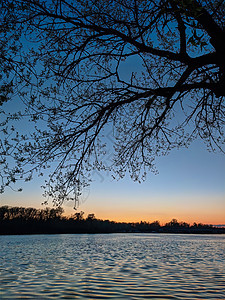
{"x":151,"y":72}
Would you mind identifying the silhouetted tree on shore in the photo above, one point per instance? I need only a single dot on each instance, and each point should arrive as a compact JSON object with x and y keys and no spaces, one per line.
{"x":20,"y":220}
{"x":70,"y":62}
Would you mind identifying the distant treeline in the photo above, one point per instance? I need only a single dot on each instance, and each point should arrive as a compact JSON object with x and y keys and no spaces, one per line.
{"x":20,"y":220}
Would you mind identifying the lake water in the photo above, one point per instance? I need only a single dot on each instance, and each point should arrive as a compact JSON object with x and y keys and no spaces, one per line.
{"x":119,"y":266}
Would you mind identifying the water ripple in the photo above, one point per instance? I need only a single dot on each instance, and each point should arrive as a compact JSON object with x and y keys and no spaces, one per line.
{"x":119,"y":266}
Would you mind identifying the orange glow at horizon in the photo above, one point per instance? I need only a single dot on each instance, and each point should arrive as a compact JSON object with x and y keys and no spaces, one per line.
{"x":135,"y":203}
{"x":153,"y":211}
{"x":212,"y":220}
{"x":162,"y":221}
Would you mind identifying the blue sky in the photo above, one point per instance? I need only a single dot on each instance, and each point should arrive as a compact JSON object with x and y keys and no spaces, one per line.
{"x":190,"y":187}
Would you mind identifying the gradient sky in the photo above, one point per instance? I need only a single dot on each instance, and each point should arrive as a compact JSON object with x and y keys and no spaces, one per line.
{"x":189,"y":187}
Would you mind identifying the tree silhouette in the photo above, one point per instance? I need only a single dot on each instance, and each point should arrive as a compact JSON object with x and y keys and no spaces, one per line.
{"x":21,"y":220}
{"x":145,"y":70}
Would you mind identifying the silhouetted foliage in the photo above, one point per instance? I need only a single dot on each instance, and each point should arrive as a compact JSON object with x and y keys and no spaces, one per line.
{"x":143,"y":69}
{"x":20,"y":220}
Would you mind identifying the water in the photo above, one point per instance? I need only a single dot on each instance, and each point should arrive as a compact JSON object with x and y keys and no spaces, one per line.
{"x":120,"y":266}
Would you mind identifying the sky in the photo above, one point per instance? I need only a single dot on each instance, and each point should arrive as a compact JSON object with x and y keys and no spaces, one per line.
{"x":189,"y":187}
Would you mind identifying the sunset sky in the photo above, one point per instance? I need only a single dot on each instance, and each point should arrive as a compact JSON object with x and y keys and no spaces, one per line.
{"x":189,"y":187}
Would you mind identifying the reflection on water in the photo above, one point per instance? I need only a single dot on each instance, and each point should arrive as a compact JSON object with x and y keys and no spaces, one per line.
{"x":125,"y":266}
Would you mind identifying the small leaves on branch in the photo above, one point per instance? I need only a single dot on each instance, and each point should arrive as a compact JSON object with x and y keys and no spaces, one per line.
{"x":152,"y":73}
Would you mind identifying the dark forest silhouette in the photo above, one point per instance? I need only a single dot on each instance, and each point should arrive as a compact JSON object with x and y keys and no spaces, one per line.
{"x":20,"y":220}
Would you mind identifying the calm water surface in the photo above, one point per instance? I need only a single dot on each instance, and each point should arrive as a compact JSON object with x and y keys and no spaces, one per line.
{"x":120,"y":266}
